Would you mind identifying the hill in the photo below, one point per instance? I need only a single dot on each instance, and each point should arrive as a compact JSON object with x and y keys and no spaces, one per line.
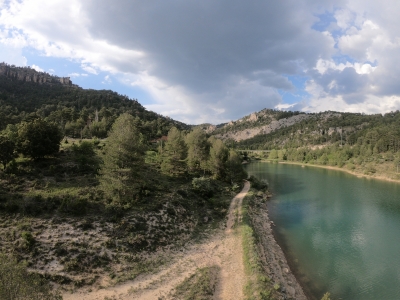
{"x":360,"y":143}
{"x":88,"y":197}
{"x":84,"y":113}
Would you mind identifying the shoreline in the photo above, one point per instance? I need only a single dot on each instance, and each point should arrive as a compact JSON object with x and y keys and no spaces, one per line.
{"x":359,"y":175}
{"x":308,"y":292}
{"x":268,"y":236}
{"x":274,"y":260}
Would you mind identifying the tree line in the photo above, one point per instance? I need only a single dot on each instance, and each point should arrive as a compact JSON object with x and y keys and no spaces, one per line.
{"x":183,"y":155}
{"x":80,"y":113}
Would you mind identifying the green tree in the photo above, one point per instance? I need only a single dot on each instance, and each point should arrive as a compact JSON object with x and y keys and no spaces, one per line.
{"x":123,"y":159}
{"x":198,"y":149}
{"x":38,"y":138}
{"x":218,"y":157}
{"x":7,"y":150}
{"x":273,"y":154}
{"x":234,"y":168}
{"x":174,"y":154}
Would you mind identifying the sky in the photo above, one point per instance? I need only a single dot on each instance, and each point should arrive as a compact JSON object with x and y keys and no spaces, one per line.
{"x":215,"y":61}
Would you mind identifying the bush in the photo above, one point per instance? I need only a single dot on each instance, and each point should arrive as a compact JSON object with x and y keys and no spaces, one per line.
{"x":85,"y":157}
{"x":257,"y":183}
{"x":370,"y":169}
{"x":73,"y":205}
{"x":38,"y":138}
{"x":28,"y":240}
{"x":351,"y":166}
{"x":17,"y":283}
{"x":203,"y":186}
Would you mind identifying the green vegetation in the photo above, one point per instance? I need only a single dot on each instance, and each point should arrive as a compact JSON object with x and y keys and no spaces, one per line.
{"x":124,"y":158}
{"x":17,"y":283}
{"x":79,"y":113}
{"x":199,"y":286}
{"x":258,"y":286}
{"x":327,"y":296}
{"x":366,"y":144}
{"x":263,"y":117}
{"x":38,"y":138}
{"x":97,"y":207}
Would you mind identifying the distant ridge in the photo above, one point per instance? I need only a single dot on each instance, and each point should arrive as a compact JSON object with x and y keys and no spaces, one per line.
{"x":28,"y":74}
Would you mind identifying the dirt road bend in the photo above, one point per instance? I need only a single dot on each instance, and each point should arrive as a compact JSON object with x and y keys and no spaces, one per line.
{"x":223,"y":248}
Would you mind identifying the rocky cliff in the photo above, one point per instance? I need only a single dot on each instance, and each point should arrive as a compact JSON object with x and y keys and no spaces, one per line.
{"x":28,"y":74}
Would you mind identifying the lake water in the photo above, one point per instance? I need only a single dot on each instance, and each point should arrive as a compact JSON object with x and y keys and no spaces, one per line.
{"x":340,"y":233}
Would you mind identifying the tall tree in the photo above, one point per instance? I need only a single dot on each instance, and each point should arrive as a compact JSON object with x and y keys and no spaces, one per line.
{"x":174,"y":154}
{"x":234,"y":168}
{"x":123,"y":160}
{"x":198,"y":150}
{"x":7,"y":150}
{"x":217,"y":158}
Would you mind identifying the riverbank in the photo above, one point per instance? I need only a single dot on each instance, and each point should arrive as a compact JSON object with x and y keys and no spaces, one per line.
{"x":270,"y":256}
{"x":378,"y":176}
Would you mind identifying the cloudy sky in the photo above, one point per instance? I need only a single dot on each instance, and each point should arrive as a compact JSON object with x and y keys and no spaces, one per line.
{"x":214,"y":61}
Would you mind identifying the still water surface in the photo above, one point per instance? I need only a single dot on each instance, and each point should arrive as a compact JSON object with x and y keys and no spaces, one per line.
{"x":341,"y":233}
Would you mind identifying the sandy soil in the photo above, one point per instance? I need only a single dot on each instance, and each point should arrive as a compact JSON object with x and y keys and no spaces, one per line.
{"x":223,"y":248}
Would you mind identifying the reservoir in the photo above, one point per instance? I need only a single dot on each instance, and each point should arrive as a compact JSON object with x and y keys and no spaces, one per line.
{"x":340,"y":233}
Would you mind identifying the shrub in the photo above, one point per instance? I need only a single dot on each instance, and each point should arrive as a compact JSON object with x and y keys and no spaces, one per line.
{"x":203,"y":186}
{"x":28,"y":240}
{"x":17,"y":283}
{"x":73,"y":205}
{"x":257,"y":183}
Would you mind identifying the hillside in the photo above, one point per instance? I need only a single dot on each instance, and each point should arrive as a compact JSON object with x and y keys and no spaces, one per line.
{"x":360,"y":143}
{"x":84,"y":113}
{"x":88,"y":197}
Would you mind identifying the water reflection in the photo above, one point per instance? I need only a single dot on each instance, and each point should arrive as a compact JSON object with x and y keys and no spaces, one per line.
{"x":341,"y":233}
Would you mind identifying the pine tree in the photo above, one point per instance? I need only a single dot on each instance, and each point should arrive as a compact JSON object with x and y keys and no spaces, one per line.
{"x":198,"y":150}
{"x":234,"y":168}
{"x":174,"y":154}
{"x":124,"y":161}
{"x":218,"y":157}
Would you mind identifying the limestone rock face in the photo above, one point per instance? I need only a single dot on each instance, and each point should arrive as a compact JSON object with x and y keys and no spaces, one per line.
{"x":30,"y":75}
{"x":253,"y":117}
{"x":265,"y":129}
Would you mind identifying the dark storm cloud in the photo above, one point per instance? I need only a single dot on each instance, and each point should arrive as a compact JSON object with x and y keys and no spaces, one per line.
{"x":200,"y":45}
{"x":347,"y":83}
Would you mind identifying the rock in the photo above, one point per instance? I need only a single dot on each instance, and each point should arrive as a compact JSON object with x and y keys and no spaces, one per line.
{"x":291,"y":291}
{"x":31,"y":75}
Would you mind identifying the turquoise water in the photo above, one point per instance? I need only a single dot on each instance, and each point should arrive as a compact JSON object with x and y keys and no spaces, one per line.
{"x":340,"y":233}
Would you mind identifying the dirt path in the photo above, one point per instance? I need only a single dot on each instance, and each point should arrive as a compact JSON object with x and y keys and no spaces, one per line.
{"x":224,"y":249}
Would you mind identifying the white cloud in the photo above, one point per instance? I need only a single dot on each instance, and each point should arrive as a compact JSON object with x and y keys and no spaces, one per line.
{"x":77,"y":74}
{"x":107,"y":80}
{"x":89,"y":69}
{"x":209,"y":61}
{"x":12,"y":55}
{"x":37,"y":68}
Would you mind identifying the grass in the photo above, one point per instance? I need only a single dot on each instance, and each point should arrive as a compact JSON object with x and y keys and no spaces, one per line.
{"x":199,"y":286}
{"x":258,"y":286}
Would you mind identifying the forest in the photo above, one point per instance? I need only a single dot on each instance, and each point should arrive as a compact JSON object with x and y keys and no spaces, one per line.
{"x":367,"y":144}
{"x":99,"y":163}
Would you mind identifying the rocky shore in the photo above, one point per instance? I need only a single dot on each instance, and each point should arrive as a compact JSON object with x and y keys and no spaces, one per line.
{"x":271,"y":255}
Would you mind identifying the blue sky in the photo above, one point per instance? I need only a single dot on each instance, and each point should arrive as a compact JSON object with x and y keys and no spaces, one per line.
{"x":215,"y":61}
